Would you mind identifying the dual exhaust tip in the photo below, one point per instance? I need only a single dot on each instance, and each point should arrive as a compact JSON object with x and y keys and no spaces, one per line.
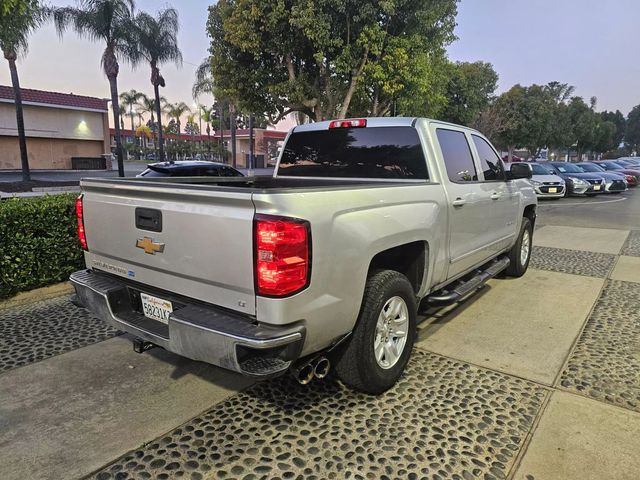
{"x":318,"y":368}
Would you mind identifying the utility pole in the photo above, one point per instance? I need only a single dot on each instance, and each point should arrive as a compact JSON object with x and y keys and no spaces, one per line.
{"x":224,"y":153}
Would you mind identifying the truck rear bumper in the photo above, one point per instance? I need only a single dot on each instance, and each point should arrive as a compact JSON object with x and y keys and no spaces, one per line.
{"x":195,"y":331}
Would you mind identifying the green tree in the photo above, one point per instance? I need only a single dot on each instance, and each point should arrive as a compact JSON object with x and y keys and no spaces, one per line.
{"x":157,"y":39}
{"x":584,"y":122}
{"x":17,"y":20}
{"x":316,"y":57}
{"x":617,"y":118}
{"x":468,"y":91}
{"x":632,"y":132}
{"x":109,"y":21}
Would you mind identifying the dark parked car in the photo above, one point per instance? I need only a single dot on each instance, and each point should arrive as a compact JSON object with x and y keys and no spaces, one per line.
{"x":578,"y":181}
{"x":190,"y":168}
{"x":614,"y":182}
{"x":614,"y":166}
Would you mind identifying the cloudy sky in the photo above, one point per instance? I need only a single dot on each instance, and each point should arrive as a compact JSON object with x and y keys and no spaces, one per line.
{"x":591,"y":44}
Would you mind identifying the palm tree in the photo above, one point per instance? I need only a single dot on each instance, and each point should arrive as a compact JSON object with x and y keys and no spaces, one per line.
{"x":206,"y":114}
{"x":158,"y":43}
{"x":129,"y":100}
{"x":110,"y":21}
{"x":176,"y":111}
{"x":17,"y":21}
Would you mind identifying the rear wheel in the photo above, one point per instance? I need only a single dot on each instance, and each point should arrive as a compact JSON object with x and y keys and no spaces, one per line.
{"x":520,"y":253}
{"x":381,"y":342}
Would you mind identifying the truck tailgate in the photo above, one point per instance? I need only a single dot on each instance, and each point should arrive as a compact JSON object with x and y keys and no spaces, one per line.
{"x":203,"y":249}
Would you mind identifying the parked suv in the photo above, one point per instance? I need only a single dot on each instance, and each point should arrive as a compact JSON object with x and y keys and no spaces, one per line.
{"x":578,"y":181}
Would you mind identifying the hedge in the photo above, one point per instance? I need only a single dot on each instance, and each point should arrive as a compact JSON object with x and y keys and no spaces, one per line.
{"x":38,"y":242}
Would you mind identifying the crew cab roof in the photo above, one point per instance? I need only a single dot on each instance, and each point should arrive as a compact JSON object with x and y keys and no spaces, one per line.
{"x":376,"y":122}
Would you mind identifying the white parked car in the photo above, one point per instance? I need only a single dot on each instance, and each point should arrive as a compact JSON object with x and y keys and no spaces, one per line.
{"x":545,"y":183}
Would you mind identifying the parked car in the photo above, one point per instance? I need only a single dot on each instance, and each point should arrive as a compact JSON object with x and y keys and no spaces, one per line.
{"x":633,"y":161}
{"x":614,"y":182}
{"x":189,"y":168}
{"x":545,"y":183}
{"x":578,"y":181}
{"x":323,"y":263}
{"x":613,"y":166}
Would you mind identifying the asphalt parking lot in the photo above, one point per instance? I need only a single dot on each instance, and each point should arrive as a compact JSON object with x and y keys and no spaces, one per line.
{"x":533,"y":378}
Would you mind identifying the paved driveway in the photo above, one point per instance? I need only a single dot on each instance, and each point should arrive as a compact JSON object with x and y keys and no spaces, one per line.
{"x":533,"y":378}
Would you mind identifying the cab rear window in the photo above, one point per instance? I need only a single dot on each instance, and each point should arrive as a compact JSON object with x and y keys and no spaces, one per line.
{"x":371,"y":152}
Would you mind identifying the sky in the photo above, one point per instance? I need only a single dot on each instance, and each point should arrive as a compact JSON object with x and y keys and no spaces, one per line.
{"x":591,"y":44}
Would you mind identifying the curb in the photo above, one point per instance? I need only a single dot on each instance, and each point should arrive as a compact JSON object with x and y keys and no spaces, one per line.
{"x":37,"y":295}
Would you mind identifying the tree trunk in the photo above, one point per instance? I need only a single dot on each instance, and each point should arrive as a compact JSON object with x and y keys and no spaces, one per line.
{"x":232,"y":119}
{"x":22,"y":137}
{"x":156,"y":92}
{"x":133,"y":137}
{"x":510,"y":153}
{"x":113,"y":83}
{"x":223,"y":153}
{"x":352,"y":85}
{"x":251,"y":143}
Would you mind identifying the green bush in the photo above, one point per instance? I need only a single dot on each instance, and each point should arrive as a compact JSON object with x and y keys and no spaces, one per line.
{"x":38,"y":242}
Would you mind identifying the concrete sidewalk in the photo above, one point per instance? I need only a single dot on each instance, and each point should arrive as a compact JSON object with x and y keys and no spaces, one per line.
{"x":533,"y":378}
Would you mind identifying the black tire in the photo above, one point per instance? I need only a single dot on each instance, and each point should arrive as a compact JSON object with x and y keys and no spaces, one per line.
{"x":517,"y":267}
{"x":356,"y":364}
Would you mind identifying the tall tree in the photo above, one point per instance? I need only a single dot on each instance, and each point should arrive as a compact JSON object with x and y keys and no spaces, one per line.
{"x":468,"y":91}
{"x":176,"y":111}
{"x":316,"y":57}
{"x":632,"y":133}
{"x":109,"y":21}
{"x":617,"y":118}
{"x":129,"y":100}
{"x":17,"y":20}
{"x":157,"y":39}
{"x":583,"y":120}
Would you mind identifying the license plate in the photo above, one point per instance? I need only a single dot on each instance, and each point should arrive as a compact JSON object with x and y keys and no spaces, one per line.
{"x":553,"y":189}
{"x":156,"y":308}
{"x":596,"y":187}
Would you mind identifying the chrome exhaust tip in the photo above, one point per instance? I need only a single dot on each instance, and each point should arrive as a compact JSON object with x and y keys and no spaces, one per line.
{"x":322,"y":367}
{"x":304,"y":374}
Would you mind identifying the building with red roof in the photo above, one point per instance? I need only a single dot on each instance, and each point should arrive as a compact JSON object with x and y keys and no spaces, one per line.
{"x":60,"y":127}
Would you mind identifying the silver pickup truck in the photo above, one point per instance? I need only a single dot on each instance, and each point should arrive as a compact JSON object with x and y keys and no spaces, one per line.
{"x":328,"y":262}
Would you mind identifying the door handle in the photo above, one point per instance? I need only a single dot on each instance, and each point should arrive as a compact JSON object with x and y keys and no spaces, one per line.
{"x":495,"y":196}
{"x":459,"y":202}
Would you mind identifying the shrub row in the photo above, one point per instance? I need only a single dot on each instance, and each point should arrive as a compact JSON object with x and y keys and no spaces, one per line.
{"x":38,"y":243}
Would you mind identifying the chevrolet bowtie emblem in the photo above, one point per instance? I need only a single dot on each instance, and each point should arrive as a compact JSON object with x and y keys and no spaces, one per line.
{"x":149,"y":246}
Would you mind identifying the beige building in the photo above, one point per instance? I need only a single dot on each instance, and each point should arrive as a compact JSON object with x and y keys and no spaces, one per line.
{"x":60,"y":127}
{"x":266,"y":145}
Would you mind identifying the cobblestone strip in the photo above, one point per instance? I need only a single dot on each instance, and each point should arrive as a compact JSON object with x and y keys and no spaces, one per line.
{"x":39,"y":330}
{"x":445,"y":419}
{"x":631,"y":247}
{"x":605,"y":364}
{"x":576,"y":262}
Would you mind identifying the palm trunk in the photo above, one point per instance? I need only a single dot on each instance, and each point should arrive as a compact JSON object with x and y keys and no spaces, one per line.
{"x":22,"y":137}
{"x":113,"y":83}
{"x":156,"y":91}
{"x":133,"y":137}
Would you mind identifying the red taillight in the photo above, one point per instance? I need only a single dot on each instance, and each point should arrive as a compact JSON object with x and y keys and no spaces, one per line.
{"x":354,"y":123}
{"x":80,"y":216}
{"x":282,"y":255}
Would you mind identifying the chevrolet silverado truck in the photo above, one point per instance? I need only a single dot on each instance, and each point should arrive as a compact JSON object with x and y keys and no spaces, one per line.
{"x":327,"y":263}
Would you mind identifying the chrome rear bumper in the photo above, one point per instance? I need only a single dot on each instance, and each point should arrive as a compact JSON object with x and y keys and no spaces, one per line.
{"x":195,"y":331}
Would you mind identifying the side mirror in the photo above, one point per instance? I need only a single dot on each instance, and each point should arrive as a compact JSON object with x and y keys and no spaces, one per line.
{"x":519,"y":170}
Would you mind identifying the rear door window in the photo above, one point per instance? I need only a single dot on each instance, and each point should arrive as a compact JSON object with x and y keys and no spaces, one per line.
{"x":490,"y":162}
{"x":457,"y":155}
{"x":369,"y":152}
